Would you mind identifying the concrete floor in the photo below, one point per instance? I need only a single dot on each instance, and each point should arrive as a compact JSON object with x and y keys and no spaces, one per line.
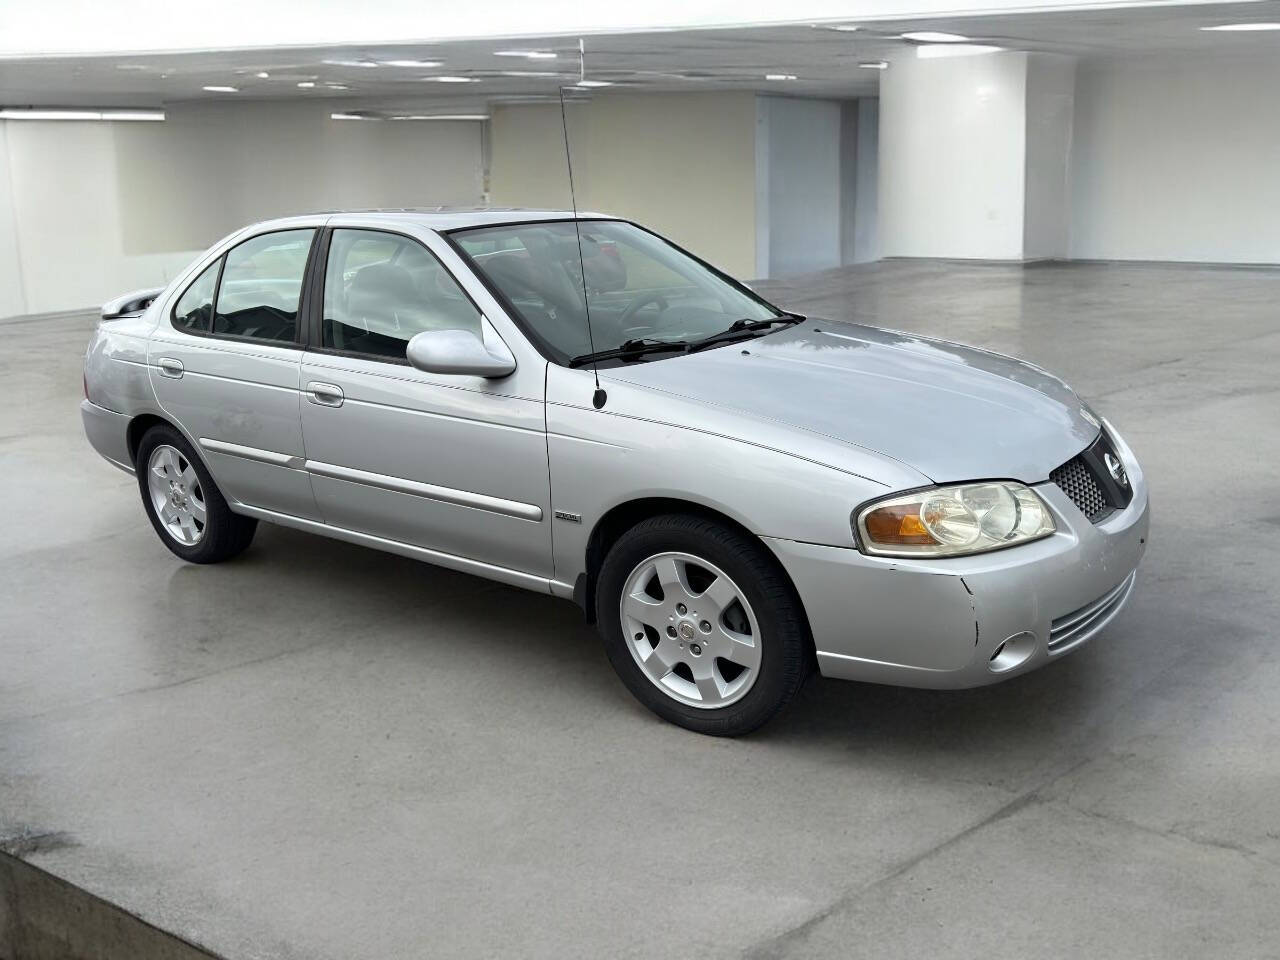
{"x":320,"y":751}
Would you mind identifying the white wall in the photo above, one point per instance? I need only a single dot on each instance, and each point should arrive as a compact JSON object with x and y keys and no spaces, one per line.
{"x":951,"y":157}
{"x":1177,"y":160}
{"x":101,"y":208}
{"x":681,"y":164}
{"x":67,"y":214}
{"x":1049,"y":112}
{"x":798,"y":192}
{"x":12,"y":298}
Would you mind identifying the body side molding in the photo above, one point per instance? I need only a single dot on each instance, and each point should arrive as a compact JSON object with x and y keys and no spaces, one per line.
{"x":428,"y":491}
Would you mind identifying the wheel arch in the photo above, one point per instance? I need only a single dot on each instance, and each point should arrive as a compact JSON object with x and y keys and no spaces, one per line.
{"x":138,"y":428}
{"x":623,"y":516}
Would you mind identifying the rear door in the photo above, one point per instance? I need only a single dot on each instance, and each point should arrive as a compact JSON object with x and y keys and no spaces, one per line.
{"x":225,"y":364}
{"x":456,"y":464}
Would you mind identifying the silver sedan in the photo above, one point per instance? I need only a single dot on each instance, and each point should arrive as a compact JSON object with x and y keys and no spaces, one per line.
{"x":735,"y":494}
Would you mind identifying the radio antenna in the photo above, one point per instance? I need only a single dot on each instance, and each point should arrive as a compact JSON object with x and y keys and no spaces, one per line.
{"x":599,"y":397}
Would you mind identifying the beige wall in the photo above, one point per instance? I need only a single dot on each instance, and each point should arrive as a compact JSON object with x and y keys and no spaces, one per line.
{"x":681,"y":164}
{"x":101,"y":208}
{"x":211,"y":168}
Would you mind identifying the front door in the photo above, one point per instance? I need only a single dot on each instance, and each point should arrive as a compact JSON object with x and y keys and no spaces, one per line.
{"x":225,"y":364}
{"x":455,"y":464}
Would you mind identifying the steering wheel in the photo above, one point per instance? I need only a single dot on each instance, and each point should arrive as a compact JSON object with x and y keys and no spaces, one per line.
{"x":639,"y":303}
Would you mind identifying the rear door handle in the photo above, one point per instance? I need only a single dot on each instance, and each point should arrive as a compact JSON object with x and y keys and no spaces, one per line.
{"x":325,"y":394}
{"x":169,"y":367}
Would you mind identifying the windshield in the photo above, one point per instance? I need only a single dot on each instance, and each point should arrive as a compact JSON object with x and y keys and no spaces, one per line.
{"x":639,"y":286}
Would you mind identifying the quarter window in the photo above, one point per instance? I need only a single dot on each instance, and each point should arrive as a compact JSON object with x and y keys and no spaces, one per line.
{"x":262,"y":286}
{"x":380,"y":289}
{"x":195,"y":307}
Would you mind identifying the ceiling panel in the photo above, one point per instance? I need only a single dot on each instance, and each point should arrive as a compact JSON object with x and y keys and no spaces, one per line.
{"x":824,"y":61}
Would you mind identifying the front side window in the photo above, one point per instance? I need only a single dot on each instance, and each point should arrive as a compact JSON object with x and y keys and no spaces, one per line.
{"x":194,"y":309}
{"x":639,"y":287}
{"x":380,"y":289}
{"x":262,"y":287}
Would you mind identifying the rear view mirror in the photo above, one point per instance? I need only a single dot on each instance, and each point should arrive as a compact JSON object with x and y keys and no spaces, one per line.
{"x":459,"y":352}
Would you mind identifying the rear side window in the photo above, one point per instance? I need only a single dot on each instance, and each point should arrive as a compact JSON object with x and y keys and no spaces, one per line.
{"x":261,"y":287}
{"x":382,"y":288}
{"x":194,"y":308}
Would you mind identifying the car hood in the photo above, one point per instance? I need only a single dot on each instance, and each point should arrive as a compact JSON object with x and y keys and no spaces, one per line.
{"x":948,"y":411}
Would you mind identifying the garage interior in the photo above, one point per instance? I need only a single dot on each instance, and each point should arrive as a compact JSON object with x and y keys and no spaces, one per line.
{"x":323,"y":751}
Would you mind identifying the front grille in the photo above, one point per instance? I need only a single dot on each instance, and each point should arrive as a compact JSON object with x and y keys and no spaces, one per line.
{"x":1077,"y":627}
{"x":1078,"y":483}
{"x":1089,"y":482}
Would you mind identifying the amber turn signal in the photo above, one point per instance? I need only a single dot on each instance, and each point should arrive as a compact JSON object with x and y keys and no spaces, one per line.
{"x":899,"y":523}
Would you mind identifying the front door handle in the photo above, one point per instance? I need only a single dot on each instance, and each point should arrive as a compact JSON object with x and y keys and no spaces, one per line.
{"x":169,"y":367}
{"x":325,"y":394}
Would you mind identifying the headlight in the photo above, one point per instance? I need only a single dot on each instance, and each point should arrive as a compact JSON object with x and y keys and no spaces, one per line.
{"x":953,"y":521}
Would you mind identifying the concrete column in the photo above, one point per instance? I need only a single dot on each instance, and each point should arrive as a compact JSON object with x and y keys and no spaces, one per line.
{"x":973,"y":156}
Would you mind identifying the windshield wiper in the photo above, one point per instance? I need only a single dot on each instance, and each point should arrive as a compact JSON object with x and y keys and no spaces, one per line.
{"x":742,"y":330}
{"x":630,"y":349}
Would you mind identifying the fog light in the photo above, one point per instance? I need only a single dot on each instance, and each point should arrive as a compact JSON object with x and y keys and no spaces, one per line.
{"x":1014,"y":652}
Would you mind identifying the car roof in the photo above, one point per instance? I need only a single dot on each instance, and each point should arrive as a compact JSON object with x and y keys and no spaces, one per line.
{"x":457,"y":218}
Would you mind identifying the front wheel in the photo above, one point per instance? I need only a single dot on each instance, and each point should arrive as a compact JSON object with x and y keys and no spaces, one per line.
{"x":701,"y":624}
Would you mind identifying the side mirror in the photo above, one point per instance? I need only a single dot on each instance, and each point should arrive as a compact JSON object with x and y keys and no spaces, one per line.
{"x":459,"y":352}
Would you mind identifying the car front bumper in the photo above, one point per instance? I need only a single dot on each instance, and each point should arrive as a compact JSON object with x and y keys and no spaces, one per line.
{"x":969,"y":621}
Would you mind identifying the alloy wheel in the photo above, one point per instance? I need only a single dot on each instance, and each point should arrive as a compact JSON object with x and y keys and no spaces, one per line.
{"x":691,"y":630}
{"x":176,"y":495}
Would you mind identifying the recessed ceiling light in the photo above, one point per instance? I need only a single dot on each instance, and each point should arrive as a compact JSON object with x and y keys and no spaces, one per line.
{"x":337,"y":86}
{"x":348,"y":116}
{"x":875,"y":65}
{"x":262,"y":75}
{"x":780,"y":76}
{"x":220,"y":89}
{"x":528,"y":54}
{"x":594,"y":83}
{"x":132,"y":66}
{"x":421,"y":64}
{"x":528,"y":73}
{"x":351,"y":63}
{"x":955,"y":50}
{"x":16,"y":113}
{"x":1243,"y":27}
{"x":306,"y":84}
{"x":448,"y":79}
{"x":933,"y":36}
{"x":844,"y":27}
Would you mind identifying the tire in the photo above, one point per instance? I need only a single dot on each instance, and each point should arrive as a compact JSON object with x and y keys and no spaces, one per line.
{"x":197,"y":525}
{"x":724,"y":696}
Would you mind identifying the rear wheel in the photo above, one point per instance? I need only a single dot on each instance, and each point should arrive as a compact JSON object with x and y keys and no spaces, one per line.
{"x":701,"y":624}
{"x":184,"y":504}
